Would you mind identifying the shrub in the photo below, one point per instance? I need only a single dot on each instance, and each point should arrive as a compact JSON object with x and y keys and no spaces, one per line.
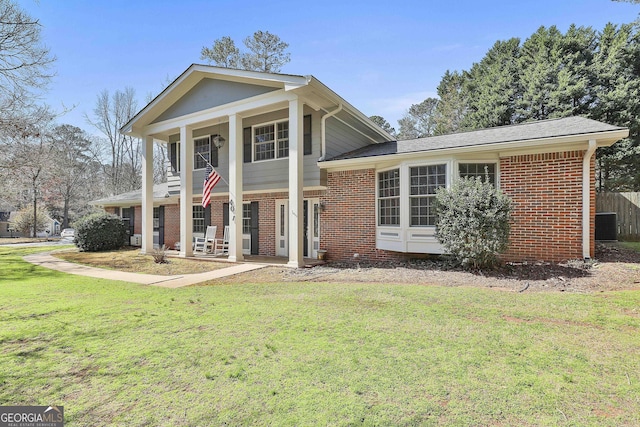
{"x":473,"y":221}
{"x":100,"y":232}
{"x":23,"y":221}
{"x":160,"y":255}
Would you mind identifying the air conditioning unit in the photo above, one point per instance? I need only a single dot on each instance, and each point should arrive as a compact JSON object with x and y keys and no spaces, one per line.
{"x":136,"y":240}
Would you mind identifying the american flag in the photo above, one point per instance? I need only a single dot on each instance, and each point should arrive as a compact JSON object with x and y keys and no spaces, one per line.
{"x":210,"y":181}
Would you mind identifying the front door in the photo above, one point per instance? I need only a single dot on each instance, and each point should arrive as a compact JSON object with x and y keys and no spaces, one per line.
{"x":311,"y":227}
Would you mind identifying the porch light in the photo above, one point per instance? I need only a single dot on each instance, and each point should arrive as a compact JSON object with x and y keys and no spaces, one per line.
{"x":218,"y":141}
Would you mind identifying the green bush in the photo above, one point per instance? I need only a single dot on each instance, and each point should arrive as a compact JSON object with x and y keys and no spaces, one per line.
{"x":473,"y":221}
{"x":100,"y":232}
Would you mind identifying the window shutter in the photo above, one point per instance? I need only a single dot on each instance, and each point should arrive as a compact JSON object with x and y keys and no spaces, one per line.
{"x":207,"y":216}
{"x":225,"y":214}
{"x":307,"y":134}
{"x":214,"y":154}
{"x":173,"y":156}
{"x":161,"y":225}
{"x":255,"y":238}
{"x":246,"y":138}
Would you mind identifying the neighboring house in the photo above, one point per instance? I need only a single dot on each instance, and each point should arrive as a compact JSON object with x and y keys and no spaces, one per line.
{"x":6,"y":218}
{"x":304,"y":170}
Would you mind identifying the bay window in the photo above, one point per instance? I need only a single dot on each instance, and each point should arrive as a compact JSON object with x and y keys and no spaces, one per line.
{"x":486,"y":171}
{"x":389,"y":197}
{"x":424,"y":181}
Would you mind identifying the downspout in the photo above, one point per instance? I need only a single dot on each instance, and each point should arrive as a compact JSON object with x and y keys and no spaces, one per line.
{"x":323,"y":130}
{"x":586,"y":199}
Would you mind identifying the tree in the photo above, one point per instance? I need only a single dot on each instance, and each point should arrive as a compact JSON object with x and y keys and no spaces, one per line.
{"x":24,"y":69}
{"x":419,"y":121}
{"x":491,"y":87}
{"x":384,"y":125}
{"x":473,"y":221}
{"x":29,"y":222}
{"x":267,"y":53}
{"x":71,"y":170}
{"x":25,"y":165}
{"x":539,"y":63}
{"x":223,"y":52}
{"x":616,"y":66}
{"x":452,"y":106}
{"x":123,"y":157}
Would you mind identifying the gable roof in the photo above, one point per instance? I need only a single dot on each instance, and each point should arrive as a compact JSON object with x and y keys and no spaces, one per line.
{"x":314,"y":93}
{"x":530,"y":131}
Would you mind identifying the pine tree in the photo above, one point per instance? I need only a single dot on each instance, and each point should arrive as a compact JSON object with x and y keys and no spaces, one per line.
{"x":491,"y":87}
{"x":452,"y":107}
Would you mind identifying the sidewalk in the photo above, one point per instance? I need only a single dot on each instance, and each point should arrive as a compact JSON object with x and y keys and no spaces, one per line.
{"x":45,"y":259}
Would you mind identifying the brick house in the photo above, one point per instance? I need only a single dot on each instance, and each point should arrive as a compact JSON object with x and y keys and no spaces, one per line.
{"x":303,"y":170}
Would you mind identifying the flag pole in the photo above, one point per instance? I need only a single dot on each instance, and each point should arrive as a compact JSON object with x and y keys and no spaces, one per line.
{"x":210,"y":165}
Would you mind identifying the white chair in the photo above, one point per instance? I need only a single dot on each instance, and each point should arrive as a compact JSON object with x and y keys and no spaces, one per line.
{"x":205,"y":244}
{"x":221,"y":246}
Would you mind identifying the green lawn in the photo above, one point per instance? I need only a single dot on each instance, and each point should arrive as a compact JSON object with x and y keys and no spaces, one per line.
{"x":632,"y":245}
{"x":311,"y":354}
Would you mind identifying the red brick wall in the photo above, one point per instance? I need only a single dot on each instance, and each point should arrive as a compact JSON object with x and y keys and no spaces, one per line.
{"x":171,"y":225}
{"x":348,"y":223}
{"x":546,"y":190}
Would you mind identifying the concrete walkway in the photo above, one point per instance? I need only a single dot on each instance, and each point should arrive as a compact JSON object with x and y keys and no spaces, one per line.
{"x":45,"y":259}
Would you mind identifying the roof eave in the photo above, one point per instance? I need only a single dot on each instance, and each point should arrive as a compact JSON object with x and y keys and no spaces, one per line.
{"x":603,"y":139}
{"x":337,"y":99}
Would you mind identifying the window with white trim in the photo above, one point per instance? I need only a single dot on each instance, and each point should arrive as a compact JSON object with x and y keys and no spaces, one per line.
{"x":201,"y":146}
{"x":198,"y":219}
{"x":424,"y":181}
{"x":271,"y":141}
{"x":486,"y":171}
{"x":389,"y":197}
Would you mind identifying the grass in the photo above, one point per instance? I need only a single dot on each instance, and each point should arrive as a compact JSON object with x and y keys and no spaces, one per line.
{"x":632,"y":245}
{"x":130,"y":260}
{"x":314,"y":354}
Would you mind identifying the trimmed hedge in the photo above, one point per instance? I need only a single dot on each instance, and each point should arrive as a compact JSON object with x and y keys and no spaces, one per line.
{"x":100,"y":232}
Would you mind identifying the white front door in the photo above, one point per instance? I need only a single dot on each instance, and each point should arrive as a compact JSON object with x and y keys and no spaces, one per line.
{"x":311,"y":218}
{"x":246,"y":228}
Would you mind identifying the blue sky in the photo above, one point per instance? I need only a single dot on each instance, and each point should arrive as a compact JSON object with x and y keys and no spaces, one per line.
{"x":381,"y":56}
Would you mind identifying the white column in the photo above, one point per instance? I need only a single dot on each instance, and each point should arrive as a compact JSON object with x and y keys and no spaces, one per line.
{"x":296,"y":183}
{"x":147,"y":194}
{"x":235,"y":187}
{"x":186,"y":191}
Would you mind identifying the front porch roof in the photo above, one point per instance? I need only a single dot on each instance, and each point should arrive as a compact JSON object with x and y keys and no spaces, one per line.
{"x":161,"y":194}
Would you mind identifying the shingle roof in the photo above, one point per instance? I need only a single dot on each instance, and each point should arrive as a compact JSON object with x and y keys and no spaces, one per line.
{"x":552,"y":128}
{"x":160,"y":191}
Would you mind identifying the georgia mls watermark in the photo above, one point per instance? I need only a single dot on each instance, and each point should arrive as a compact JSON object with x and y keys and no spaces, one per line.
{"x":31,"y":416}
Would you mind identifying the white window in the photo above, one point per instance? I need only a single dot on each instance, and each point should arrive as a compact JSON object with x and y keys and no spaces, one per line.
{"x":201,"y":148}
{"x":424,"y":181}
{"x":486,"y":171}
{"x":271,"y":141}
{"x":198,"y":219}
{"x":389,"y":197}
